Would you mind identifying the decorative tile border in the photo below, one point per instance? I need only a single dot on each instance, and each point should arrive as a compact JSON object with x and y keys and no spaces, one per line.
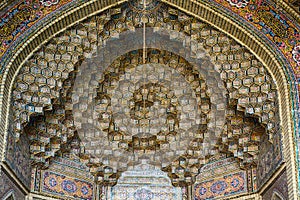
{"x":70,"y":167}
{"x":217,"y":169}
{"x":217,"y":164}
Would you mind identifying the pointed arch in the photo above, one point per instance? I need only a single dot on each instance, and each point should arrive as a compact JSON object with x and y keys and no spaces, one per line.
{"x":266,"y":52}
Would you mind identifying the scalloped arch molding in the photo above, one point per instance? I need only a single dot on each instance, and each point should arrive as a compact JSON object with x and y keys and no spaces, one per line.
{"x":276,"y":47}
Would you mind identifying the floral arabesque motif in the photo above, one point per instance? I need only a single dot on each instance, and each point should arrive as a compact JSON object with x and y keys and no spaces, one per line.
{"x":49,"y":2}
{"x":143,"y":194}
{"x":238,"y":3}
{"x":296,"y":54}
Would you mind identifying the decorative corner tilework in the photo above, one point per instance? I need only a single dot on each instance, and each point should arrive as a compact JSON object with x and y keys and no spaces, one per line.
{"x":279,"y":186}
{"x":22,"y":17}
{"x":7,"y":186}
{"x":60,"y":185}
{"x":270,"y":158}
{"x":271,"y":20}
{"x":228,"y":185}
{"x":18,"y":158}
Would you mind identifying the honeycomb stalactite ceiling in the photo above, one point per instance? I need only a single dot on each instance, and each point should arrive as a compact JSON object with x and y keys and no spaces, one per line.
{"x":144,"y":110}
{"x":147,"y":111}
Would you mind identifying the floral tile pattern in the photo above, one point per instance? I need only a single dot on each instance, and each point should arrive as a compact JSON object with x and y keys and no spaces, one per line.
{"x":231,"y":184}
{"x":61,"y":185}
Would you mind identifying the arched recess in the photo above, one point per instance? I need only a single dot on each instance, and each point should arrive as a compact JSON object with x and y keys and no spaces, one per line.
{"x":253,"y":42}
